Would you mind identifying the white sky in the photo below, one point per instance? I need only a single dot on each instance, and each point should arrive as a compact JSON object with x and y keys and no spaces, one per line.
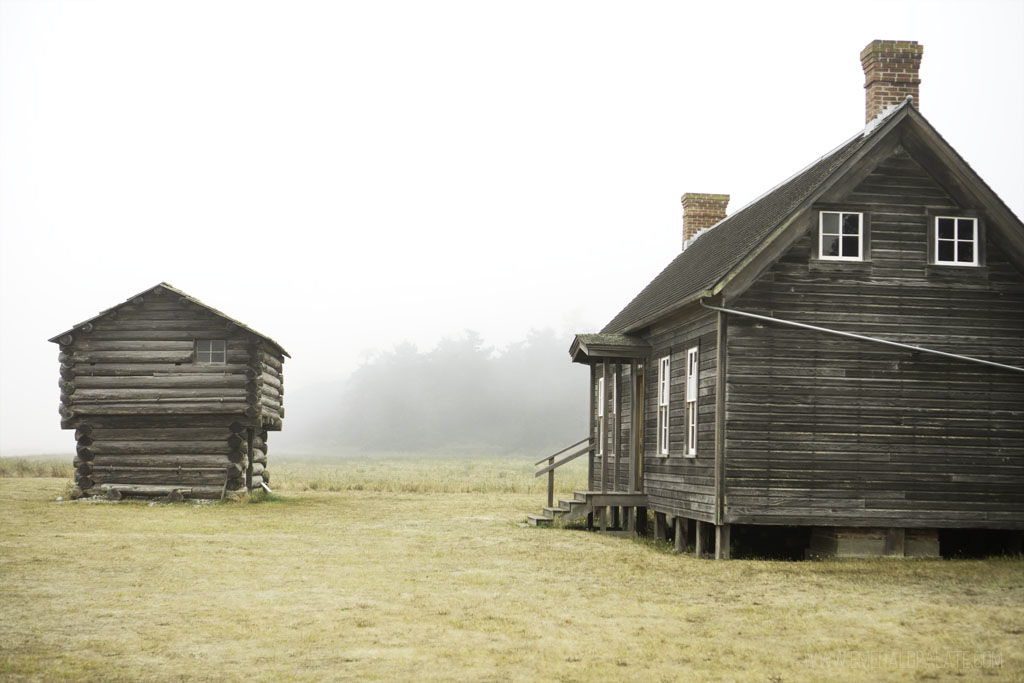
{"x":345,"y":176}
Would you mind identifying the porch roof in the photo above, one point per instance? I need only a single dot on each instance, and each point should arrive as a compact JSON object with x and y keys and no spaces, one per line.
{"x":587,"y":348}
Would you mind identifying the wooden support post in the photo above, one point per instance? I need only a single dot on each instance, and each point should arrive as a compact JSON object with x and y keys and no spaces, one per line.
{"x":895,"y":542}
{"x":604,"y":441}
{"x":551,"y":483}
{"x":721,"y":387}
{"x":722,"y":534}
{"x":659,"y":526}
{"x":680,"y":534}
{"x":634,"y":410}
{"x":593,"y":424}
{"x":700,"y":543}
{"x":640,"y":521}
{"x":604,"y":518}
{"x":590,"y":521}
{"x":628,"y":524}
{"x":616,"y":423}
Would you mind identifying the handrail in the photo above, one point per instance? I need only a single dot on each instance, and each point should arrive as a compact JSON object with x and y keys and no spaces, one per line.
{"x":558,"y":453}
{"x":552,"y":465}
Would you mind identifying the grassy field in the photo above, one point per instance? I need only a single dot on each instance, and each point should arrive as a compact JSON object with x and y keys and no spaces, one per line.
{"x":417,"y":569}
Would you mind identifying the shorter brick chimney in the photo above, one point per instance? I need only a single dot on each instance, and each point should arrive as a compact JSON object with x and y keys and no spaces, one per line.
{"x":890,"y":74}
{"x":701,"y":211}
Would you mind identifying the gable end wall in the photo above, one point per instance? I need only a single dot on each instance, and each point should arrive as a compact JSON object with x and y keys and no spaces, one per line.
{"x":823,"y":430}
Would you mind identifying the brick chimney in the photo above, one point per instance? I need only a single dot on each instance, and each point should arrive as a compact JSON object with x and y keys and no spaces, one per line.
{"x":890,"y":74}
{"x":701,"y":211}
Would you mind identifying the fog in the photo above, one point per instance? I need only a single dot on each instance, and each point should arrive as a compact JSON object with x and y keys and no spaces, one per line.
{"x":462,"y":396}
{"x":354,"y":178}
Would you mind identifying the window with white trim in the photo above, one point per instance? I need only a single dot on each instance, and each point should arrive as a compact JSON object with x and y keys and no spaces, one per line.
{"x":841,"y":236}
{"x":601,"y":398}
{"x":692,"y":373}
{"x":211,"y":351}
{"x":956,"y":241}
{"x":615,"y":408}
{"x":664,"y":385}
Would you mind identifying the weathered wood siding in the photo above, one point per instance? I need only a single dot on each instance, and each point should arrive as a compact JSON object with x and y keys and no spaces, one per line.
{"x":146,"y":413}
{"x":140,"y":360}
{"x":613,"y":472}
{"x":677,"y":484}
{"x":823,"y":430}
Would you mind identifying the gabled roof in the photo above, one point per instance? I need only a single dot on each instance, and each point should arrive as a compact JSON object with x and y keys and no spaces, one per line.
{"x":719,"y":253}
{"x":177,"y":292}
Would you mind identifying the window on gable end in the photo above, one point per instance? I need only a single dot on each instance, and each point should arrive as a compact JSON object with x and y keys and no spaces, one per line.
{"x":211,"y":351}
{"x":956,"y":241}
{"x":841,"y":236}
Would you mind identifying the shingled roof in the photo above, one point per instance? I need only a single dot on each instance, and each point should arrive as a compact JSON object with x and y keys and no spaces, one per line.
{"x":166,"y":287}
{"x":718,"y":250}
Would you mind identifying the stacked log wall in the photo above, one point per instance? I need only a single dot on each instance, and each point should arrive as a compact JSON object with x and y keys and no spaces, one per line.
{"x":148,"y":416}
{"x":823,"y":430}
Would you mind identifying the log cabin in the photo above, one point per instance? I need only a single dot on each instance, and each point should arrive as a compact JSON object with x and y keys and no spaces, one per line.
{"x":168,"y":396}
{"x":843,"y":356}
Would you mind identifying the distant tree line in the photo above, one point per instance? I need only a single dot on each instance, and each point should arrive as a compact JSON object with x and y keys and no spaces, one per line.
{"x":462,"y":394}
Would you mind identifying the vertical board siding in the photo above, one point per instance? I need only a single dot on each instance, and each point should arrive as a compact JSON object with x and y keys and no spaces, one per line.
{"x":617,"y":480}
{"x":827,"y":430}
{"x":678,"y":484}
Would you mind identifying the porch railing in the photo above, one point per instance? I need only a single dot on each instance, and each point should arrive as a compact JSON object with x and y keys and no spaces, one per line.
{"x":552,"y":465}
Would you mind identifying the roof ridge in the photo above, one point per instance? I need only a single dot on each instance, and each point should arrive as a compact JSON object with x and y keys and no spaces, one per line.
{"x":180,"y":293}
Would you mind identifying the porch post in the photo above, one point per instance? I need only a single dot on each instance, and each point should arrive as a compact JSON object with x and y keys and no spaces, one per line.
{"x":617,"y":404}
{"x":634,"y":407}
{"x":593,"y":423}
{"x":604,"y":441}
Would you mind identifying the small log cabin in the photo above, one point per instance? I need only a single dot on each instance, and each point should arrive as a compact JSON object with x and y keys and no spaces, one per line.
{"x":844,"y":355}
{"x":168,"y":396}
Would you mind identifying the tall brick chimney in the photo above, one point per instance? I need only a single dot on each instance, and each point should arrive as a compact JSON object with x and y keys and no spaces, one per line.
{"x":701,"y":211}
{"x":890,"y":74}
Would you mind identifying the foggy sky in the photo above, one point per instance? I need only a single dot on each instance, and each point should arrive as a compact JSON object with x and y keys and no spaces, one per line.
{"x":344,"y":177}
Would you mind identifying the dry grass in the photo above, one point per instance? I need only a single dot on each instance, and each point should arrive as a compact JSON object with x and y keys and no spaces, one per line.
{"x":37,"y":466}
{"x":423,"y":474}
{"x":391,"y":585}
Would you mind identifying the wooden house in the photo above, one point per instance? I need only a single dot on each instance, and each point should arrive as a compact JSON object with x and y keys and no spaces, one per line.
{"x":168,"y":396}
{"x":844,"y":354}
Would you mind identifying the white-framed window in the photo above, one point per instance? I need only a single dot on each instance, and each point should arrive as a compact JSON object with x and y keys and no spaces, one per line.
{"x":615,"y":409}
{"x":841,"y":236}
{"x":601,"y":398}
{"x":664,"y":385}
{"x":956,"y":240}
{"x":692,"y":374}
{"x":211,"y":351}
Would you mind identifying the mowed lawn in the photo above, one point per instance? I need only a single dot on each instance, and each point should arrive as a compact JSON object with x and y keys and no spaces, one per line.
{"x":419,"y":569}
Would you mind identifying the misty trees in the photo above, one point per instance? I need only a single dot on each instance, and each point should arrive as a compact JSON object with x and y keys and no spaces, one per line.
{"x":465,"y":394}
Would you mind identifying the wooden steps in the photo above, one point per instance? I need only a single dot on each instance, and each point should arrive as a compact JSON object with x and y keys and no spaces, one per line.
{"x":582,"y":504}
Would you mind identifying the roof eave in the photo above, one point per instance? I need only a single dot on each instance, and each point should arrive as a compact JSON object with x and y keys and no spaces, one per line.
{"x":878,"y":133}
{"x":56,"y":339}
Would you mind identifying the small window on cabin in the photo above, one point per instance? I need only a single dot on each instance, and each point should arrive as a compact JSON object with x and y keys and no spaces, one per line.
{"x":956,"y":241}
{"x":211,"y":351}
{"x":841,"y":236}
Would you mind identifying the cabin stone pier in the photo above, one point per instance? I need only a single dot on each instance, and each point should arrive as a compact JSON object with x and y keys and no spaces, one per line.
{"x":169,"y":397}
